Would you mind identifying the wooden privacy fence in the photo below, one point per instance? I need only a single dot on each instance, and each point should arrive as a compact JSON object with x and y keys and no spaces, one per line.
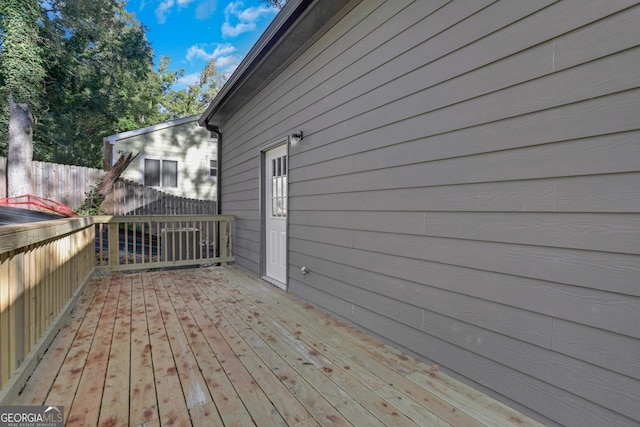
{"x":131,"y":198}
{"x":44,"y":265}
{"x":65,"y":184}
{"x":70,"y":185}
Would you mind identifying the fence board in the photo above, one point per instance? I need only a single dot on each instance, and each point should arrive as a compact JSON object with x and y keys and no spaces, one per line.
{"x":3,"y":177}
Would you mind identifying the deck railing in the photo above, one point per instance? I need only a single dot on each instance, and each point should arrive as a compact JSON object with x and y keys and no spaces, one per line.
{"x":44,"y":266}
{"x":153,"y":241}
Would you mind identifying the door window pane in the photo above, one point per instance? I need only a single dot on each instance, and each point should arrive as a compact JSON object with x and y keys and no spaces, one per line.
{"x":279,"y":187}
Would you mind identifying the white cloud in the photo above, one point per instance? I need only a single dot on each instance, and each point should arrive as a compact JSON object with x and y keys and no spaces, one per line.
{"x":196,"y":52}
{"x":164,"y":8}
{"x":229,"y":30}
{"x":223,"y":49}
{"x":230,"y":70}
{"x":227,"y":64}
{"x":205,"y":9}
{"x":189,"y":79}
{"x":239,"y":20}
{"x":223,"y":54}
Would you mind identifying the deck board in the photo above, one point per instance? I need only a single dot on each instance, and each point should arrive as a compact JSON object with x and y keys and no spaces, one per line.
{"x":143,"y":407}
{"x":94,"y":371}
{"x":218,"y":347}
{"x":116,"y":388}
{"x":65,"y":384}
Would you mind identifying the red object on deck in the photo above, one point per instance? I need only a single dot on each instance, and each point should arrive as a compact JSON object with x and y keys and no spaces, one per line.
{"x":39,"y":204}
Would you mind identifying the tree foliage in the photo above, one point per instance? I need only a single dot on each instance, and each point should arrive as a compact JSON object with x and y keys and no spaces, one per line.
{"x":21,"y":74}
{"x":97,"y":58}
{"x":21,"y":66}
{"x":96,"y":76}
{"x":275,"y":3}
{"x":194,"y":98}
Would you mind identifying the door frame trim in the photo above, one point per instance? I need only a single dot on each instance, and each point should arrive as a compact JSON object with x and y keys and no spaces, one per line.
{"x":262,"y":209}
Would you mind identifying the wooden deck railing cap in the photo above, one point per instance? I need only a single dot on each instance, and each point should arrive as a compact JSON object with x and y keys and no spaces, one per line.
{"x":16,"y":236}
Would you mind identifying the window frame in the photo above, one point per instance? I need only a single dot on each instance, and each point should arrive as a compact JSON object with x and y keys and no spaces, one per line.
{"x":144,"y":158}
{"x":213,"y":178}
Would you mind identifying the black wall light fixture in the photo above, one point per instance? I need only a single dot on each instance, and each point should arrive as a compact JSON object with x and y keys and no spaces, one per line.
{"x":296,"y":138}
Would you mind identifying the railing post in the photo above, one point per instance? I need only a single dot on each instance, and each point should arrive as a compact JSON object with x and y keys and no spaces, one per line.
{"x":224,"y":239}
{"x":114,"y":244}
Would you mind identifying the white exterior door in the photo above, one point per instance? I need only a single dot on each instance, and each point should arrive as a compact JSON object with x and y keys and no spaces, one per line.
{"x":276,"y":214}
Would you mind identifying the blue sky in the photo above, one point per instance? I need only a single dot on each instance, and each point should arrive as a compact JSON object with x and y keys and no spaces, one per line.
{"x":193,"y":31}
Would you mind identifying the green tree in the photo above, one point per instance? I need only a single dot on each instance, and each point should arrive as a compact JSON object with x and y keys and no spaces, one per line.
{"x":275,"y":3}
{"x":98,"y":61}
{"x":21,"y":67}
{"x":211,"y":81}
{"x":150,"y":98}
{"x":89,"y":74}
{"x":95,"y":62}
{"x":21,"y":76}
{"x":195,"y":97}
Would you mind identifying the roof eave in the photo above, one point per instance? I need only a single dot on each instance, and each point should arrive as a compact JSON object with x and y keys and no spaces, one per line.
{"x":111,"y":139}
{"x":293,"y":27}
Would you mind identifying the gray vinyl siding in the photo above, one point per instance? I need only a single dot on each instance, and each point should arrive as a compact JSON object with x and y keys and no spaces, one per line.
{"x":468,"y":189}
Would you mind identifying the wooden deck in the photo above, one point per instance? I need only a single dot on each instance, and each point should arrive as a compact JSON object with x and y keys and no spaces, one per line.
{"x":216,"y":346}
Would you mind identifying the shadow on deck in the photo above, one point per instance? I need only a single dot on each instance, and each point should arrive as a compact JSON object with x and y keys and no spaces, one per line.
{"x":216,"y":346}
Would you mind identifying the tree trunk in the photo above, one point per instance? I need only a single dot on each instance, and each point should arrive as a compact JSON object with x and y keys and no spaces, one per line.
{"x":20,"y":149}
{"x":106,"y":185}
{"x":91,"y":205}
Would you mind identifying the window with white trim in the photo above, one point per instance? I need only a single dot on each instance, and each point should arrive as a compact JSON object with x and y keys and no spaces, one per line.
{"x":160,"y":172}
{"x":213,"y":169}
